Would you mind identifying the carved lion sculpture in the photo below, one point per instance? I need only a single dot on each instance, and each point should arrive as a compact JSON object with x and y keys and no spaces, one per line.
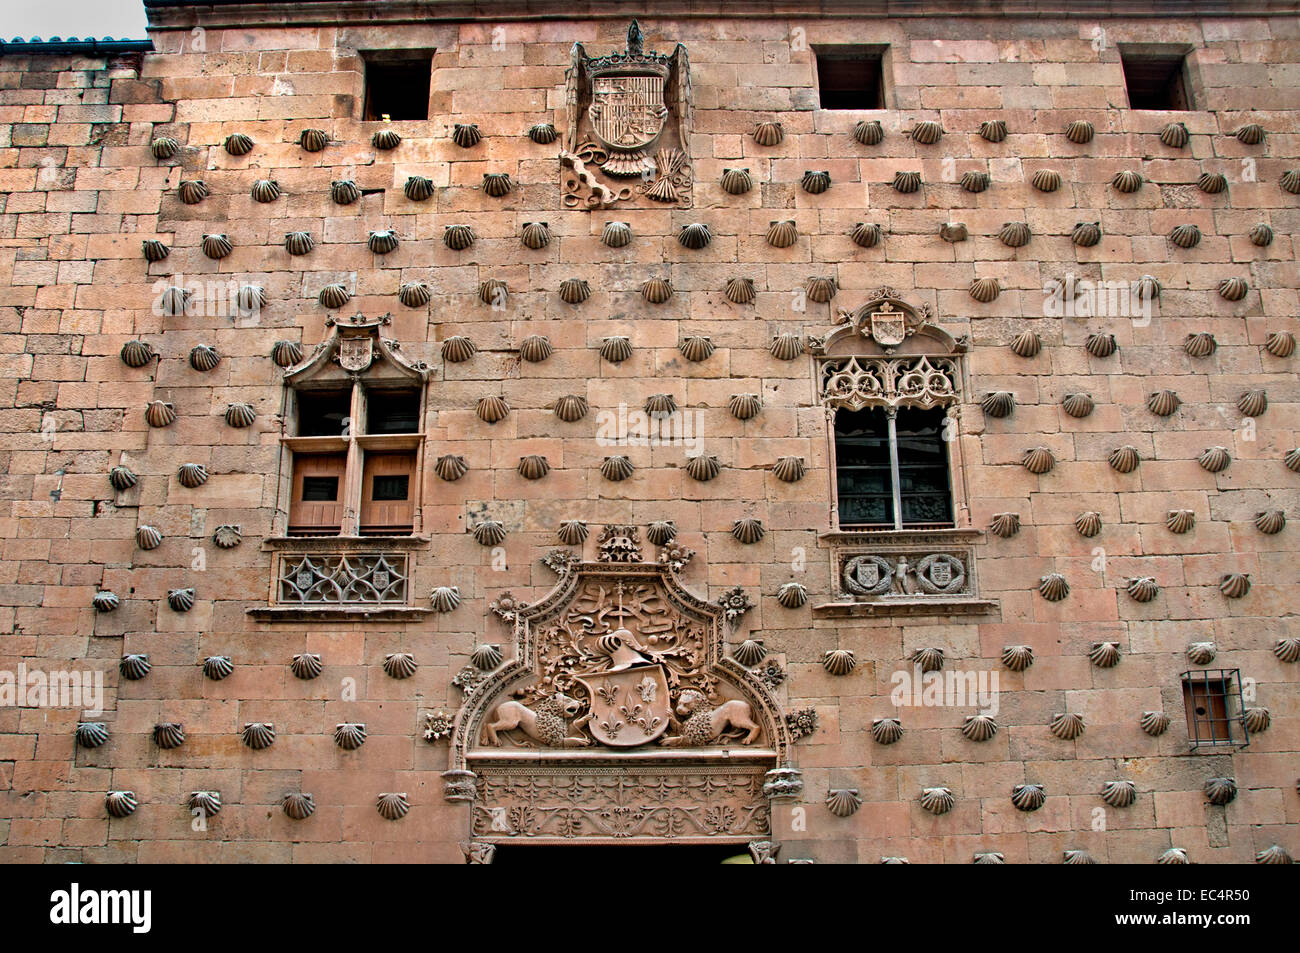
{"x":546,"y":723}
{"x":702,"y":725}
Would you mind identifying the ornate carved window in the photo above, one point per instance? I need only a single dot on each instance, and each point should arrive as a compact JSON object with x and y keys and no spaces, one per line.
{"x":891,"y":383}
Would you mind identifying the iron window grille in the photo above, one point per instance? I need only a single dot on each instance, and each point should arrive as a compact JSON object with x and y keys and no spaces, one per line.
{"x":1215,"y":709}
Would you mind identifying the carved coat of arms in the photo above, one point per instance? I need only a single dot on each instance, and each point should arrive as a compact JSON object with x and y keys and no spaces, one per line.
{"x":356,"y":353}
{"x":628,"y":707}
{"x":888,"y":326}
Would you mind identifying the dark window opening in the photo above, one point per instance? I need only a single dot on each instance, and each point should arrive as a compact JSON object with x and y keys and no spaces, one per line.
{"x":390,"y":488}
{"x":323,"y":413}
{"x":320,"y":489}
{"x":394,"y":411}
{"x":864,"y":470}
{"x":1213,"y":704}
{"x":851,"y":77}
{"x":397,"y":85}
{"x":1156,"y":80}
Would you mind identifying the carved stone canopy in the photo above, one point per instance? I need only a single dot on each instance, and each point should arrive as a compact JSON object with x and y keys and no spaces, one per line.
{"x":354,"y":345}
{"x":886,"y":324}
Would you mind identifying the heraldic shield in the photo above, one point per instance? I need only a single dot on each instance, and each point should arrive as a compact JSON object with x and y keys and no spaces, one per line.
{"x":630,"y":707}
{"x":627,"y":112}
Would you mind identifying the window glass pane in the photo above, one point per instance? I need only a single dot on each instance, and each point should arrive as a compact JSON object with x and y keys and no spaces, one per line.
{"x":862,"y":471}
{"x":923,"y":466}
{"x":323,"y":413}
{"x":320,"y":489}
{"x":392,"y":411}
{"x":392,"y":487}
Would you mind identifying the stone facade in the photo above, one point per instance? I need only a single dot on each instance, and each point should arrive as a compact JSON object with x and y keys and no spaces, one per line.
{"x":80,"y":190}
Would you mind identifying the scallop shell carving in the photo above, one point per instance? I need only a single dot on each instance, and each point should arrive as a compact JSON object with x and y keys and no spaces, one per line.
{"x":1212,"y":183}
{"x":1146,"y":288}
{"x":208,"y":803}
{"x":543,"y":133}
{"x":451,"y":467}
{"x":240,"y":415}
{"x":748,"y":530}
{"x":1053,"y":587}
{"x":782,"y":234}
{"x":1163,"y":403}
{"x":907,"y":182}
{"x":744,"y":406}
{"x":975,"y":182}
{"x":120,"y":803}
{"x":1235,"y":585}
{"x":1270,"y":522}
{"x":1251,"y":134}
{"x":1201,"y":653}
{"x":1027,"y":344}
{"x":489,"y":533}
{"x":979,"y":727}
{"x":1067,"y":725}
{"x":1154,"y":723}
{"x":91,"y":734}
{"x":839,"y":662}
{"x":1086,"y":234}
{"x":1233,"y":289}
{"x":750,"y":652}
{"x":1292,"y":460}
{"x":937,"y":800}
{"x":154,"y":250}
{"x":298,"y":243}
{"x":121,"y":478}
{"x":1256,"y":720}
{"x":134,"y":667}
{"x":1280,"y":343}
{"x":392,"y":806}
{"x":159,"y":413}
{"x":703,"y":467}
{"x":740,"y":290}
{"x":1039,"y":460}
{"x":137,"y":353}
{"x":217,"y":667}
{"x":616,"y":234}
{"x":497,"y":184}
{"x":217,"y":247}
{"x":204,"y":357}
{"x":533,"y":467}
{"x":1075,"y":857}
{"x":298,"y":806}
{"x":458,"y":237}
{"x":615,"y":349}
{"x":414,"y":294}
{"x":792,"y":595}
{"x":1005,"y":525}
{"x":105,"y":601}
{"x":866,"y":234}
{"x":192,"y":191}
{"x":457,"y":349}
{"x":1261,"y":235}
{"x":1275,"y":854}
{"x":181,"y":600}
{"x":1174,"y":855}
{"x":814,"y":183}
{"x":313,"y":140}
{"x":1017,"y":657}
{"x":998,"y":403}
{"x":350,"y":735}
{"x":286,"y":353}
{"x":989,"y":857}
{"x":1185,"y":236}
{"x":306,"y":666}
{"x":694,"y":236}
{"x":265,"y":191}
{"x":251,"y":298}
{"x":843,"y":802}
{"x":493,"y":291}
{"x":572,"y":532}
{"x":789,"y":469}
{"x":571,"y":408}
{"x":985,"y":289}
{"x":1046,"y":180}
{"x":466,"y":135}
{"x":656,"y":290}
{"x":696,"y":348}
{"x":993,"y":130}
{"x":535,"y":348}
{"x":1104,"y":654}
{"x":1127,"y":181}
{"x":1080,"y":131}
{"x":418,"y":188}
{"x":1290,"y":181}
{"x":1015,"y":234}
{"x":928,"y":659}
{"x":927,"y":132}
{"x":869,"y":132}
{"x":886,"y":731}
{"x":660,"y":405}
{"x":953,"y":232}
{"x":786,"y":346}
{"x":820,"y":289}
{"x":334,"y":296}
{"x":164,"y":147}
{"x":1143,"y":589}
{"x":382,"y":242}
{"x":1220,"y":791}
{"x":1124,"y":459}
{"x":1200,"y":344}
{"x":1088,"y":524}
{"x":1252,"y":403}
{"x":616,"y":468}
{"x":192,"y":475}
{"x":386,"y":139}
{"x":1174,"y":135}
{"x":400,"y":664}
{"x":344,"y":191}
{"x":1028,"y":797}
{"x":1287,"y":650}
{"x":169,"y":735}
{"x":768,"y":133}
{"x":1214,"y":459}
{"x":1101,"y":345}
{"x":535,"y":235}
{"x":148,"y":537}
{"x":1078,"y":405}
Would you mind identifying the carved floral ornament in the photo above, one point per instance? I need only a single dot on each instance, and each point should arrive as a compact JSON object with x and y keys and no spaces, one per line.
{"x":620,"y":716}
